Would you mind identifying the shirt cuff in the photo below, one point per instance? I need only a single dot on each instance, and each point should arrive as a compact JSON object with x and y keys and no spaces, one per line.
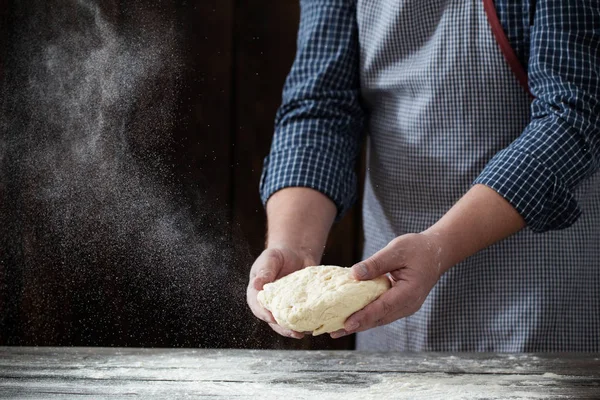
{"x":532,"y":189}
{"x":324,"y":171}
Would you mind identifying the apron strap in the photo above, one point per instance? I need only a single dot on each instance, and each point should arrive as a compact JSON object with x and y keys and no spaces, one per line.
{"x":507,"y":50}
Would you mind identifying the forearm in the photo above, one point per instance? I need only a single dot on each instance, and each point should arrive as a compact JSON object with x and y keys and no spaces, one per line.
{"x":300,"y":219}
{"x":478,"y":220}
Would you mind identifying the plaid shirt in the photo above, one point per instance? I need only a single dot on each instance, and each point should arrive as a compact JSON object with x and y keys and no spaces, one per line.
{"x":320,"y":123}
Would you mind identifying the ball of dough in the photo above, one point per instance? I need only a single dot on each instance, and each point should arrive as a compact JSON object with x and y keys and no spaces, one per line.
{"x":318,"y":299}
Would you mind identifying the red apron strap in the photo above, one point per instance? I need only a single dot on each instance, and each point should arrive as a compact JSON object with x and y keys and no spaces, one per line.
{"x":507,"y":50}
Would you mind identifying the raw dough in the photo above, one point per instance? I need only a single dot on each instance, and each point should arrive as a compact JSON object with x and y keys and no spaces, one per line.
{"x":318,"y":299}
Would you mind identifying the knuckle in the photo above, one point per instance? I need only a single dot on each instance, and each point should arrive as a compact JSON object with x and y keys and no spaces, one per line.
{"x":375,"y":267}
{"x":386,"y":307}
{"x":275,"y":255}
{"x":399,"y":248}
{"x":397,"y":240}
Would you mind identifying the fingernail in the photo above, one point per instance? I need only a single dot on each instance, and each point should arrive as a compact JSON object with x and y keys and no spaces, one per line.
{"x":350,"y":326}
{"x":338,"y":334}
{"x":361,"y":270}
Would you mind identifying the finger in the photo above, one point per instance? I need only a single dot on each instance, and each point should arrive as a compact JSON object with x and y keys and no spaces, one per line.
{"x":338,"y":334}
{"x":385,"y":260}
{"x":259,"y":282}
{"x":257,"y":309}
{"x":265,"y":268}
{"x":394,"y":303}
{"x":286,"y":332}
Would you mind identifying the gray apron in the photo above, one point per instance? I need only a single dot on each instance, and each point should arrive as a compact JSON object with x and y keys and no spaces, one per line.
{"x":442,"y":101}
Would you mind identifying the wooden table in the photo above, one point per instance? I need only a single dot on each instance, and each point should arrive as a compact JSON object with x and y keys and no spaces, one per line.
{"x":110,"y":373}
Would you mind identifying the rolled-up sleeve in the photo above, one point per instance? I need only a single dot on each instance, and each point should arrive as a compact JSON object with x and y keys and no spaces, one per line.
{"x":319,"y":125}
{"x":560,"y":148}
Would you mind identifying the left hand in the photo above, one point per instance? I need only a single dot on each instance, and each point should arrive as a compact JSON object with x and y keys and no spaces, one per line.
{"x":414,"y":262}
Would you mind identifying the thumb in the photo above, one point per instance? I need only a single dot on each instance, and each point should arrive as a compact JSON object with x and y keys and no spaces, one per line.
{"x":263,"y":277}
{"x":266,"y":268}
{"x":380,"y":263}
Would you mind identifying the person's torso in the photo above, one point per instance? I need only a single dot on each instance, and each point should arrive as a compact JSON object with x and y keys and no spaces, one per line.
{"x":441,"y":102}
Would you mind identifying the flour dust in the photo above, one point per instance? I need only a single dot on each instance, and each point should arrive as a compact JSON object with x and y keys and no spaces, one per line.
{"x":102,"y":243}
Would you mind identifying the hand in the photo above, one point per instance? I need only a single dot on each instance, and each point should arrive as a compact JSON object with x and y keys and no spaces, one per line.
{"x":414,"y":264}
{"x":272,"y":264}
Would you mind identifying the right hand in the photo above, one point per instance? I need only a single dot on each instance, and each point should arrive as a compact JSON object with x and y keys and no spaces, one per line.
{"x":272,"y":264}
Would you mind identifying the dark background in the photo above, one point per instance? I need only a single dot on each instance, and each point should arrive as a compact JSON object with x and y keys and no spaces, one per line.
{"x":235,"y":56}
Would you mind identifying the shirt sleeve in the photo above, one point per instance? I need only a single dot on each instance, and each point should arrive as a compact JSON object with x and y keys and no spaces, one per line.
{"x":560,"y":147}
{"x":319,"y":125}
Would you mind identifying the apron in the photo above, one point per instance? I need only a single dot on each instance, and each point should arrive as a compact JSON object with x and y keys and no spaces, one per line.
{"x":442,"y":100}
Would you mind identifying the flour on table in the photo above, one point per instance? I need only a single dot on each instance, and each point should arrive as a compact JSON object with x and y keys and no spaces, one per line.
{"x":318,"y":299}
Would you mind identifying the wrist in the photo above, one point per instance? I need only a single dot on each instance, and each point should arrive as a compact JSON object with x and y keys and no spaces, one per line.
{"x":478,"y":220}
{"x":299,"y":219}
{"x":448,"y":251}
{"x":447,"y":255}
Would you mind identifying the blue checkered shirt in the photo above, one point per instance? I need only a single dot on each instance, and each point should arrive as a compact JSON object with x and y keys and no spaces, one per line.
{"x":320,"y":124}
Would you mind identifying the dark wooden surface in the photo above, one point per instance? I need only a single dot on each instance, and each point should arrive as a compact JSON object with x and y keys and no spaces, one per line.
{"x":47,"y":373}
{"x":233,"y":59}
